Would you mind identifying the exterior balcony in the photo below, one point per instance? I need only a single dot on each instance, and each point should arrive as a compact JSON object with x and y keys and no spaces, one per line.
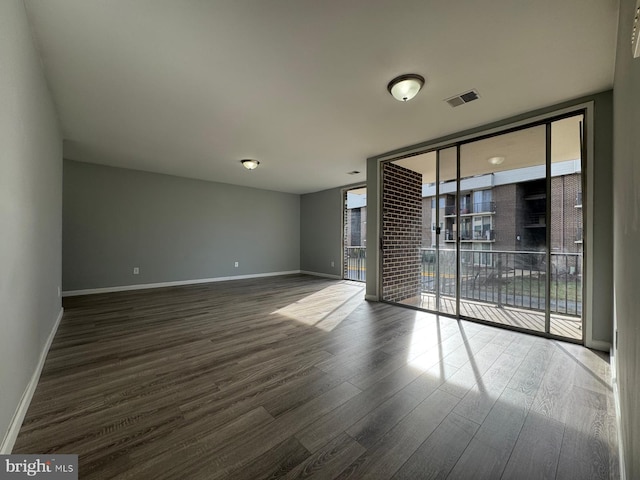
{"x":468,"y":236}
{"x":508,"y":287}
{"x":536,"y":220}
{"x":473,"y":209}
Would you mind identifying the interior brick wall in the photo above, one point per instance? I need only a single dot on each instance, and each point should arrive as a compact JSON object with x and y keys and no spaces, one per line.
{"x":402,"y":232}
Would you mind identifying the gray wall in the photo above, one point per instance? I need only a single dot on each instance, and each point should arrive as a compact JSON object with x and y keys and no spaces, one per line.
{"x":321,"y":231}
{"x":30,"y":209}
{"x":602,"y":242}
{"x":602,"y":248}
{"x":626,"y":233}
{"x":173,"y":229}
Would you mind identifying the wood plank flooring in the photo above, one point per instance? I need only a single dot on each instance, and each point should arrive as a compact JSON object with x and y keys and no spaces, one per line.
{"x":299,"y":377}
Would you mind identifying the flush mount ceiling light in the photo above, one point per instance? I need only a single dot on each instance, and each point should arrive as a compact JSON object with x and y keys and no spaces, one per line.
{"x":405,"y":87}
{"x":495,"y":160}
{"x":250,"y":164}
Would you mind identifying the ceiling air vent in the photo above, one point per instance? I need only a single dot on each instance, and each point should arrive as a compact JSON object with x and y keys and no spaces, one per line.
{"x":463,"y":98}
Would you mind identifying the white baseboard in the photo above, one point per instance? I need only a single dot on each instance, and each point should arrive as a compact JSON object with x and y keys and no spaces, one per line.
{"x":371,"y":298}
{"x":598,"y":345}
{"x":18,"y":417}
{"x":144,"y":286}
{"x":324,"y":275}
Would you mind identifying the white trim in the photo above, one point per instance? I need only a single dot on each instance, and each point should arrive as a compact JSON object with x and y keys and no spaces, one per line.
{"x":18,"y":417}
{"x":598,"y":345}
{"x":371,"y":298}
{"x":325,"y":275}
{"x":143,"y":286}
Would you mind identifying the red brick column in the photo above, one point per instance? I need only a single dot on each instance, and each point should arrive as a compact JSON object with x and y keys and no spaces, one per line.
{"x":401,"y":232}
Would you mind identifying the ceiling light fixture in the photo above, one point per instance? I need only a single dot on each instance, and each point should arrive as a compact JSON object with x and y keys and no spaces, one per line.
{"x":405,"y":87}
{"x":495,"y":160}
{"x":250,"y":164}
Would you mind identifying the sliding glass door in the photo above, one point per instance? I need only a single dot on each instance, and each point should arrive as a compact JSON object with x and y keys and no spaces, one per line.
{"x":503,"y":240}
{"x":501,"y":229}
{"x":354,"y":266}
{"x":566,"y":227}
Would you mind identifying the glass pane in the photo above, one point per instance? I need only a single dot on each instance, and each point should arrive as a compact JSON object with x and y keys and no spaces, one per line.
{"x":355,"y":235}
{"x":438,"y":233}
{"x":447,"y":239}
{"x":566,"y":231}
{"x":503,"y":229}
{"x":425,"y":165}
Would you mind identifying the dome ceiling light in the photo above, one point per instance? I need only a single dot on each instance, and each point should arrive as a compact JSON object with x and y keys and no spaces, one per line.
{"x":495,"y":160}
{"x":250,"y":164}
{"x":405,"y":87}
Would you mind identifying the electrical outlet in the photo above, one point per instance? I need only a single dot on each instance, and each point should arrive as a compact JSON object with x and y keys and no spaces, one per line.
{"x":136,"y":270}
{"x":333,"y":264}
{"x":237,"y":264}
{"x":59,"y":291}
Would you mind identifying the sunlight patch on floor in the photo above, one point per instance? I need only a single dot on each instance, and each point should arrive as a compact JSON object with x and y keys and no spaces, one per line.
{"x":434,"y":338}
{"x":327,"y":308}
{"x":424,"y":351}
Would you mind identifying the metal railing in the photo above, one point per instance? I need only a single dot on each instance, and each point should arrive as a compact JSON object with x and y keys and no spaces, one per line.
{"x":481,"y":207}
{"x":504,"y":278}
{"x":515,"y":279}
{"x":355,"y":260}
{"x":467,"y":235}
{"x":484,"y":207}
{"x":536,"y":219}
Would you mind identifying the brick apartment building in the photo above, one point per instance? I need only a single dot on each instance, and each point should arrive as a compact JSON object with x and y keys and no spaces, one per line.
{"x":510,"y":217}
{"x":505,"y":211}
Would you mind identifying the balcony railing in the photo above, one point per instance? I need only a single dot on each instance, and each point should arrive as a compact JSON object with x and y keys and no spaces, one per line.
{"x":484,"y":207}
{"x":468,"y":236}
{"x":486,"y":236}
{"x":481,"y":207}
{"x":515,"y":279}
{"x":356,"y":263}
{"x":536,"y":220}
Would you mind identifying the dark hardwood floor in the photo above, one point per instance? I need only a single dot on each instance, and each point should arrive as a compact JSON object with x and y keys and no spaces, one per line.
{"x":299,"y":377}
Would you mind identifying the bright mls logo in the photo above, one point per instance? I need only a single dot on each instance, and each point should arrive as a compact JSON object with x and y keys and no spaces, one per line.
{"x":52,"y":467}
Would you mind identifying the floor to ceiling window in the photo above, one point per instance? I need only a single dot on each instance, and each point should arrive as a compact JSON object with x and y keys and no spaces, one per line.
{"x":355,"y":234}
{"x":499,"y":237}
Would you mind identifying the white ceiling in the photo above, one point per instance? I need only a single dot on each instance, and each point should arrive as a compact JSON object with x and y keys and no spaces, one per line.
{"x":519,"y":149}
{"x":191,"y":87}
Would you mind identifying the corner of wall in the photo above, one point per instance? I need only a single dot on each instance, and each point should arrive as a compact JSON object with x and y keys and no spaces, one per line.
{"x":10,"y":437}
